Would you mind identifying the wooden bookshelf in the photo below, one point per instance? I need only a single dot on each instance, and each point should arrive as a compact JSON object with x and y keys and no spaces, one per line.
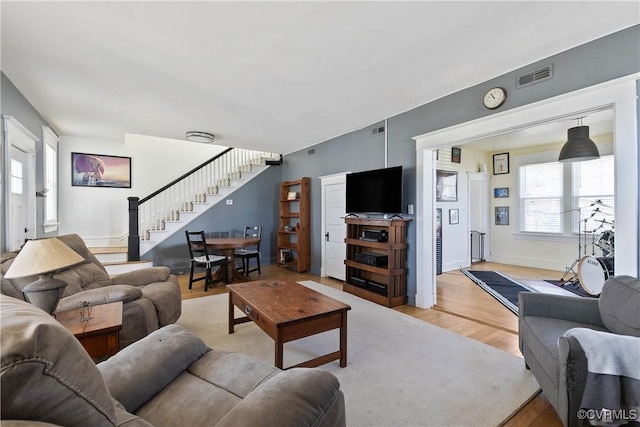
{"x":294,"y":230}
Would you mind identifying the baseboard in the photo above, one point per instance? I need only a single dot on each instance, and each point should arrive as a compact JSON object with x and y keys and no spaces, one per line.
{"x":543,"y":264}
{"x":455,"y":265}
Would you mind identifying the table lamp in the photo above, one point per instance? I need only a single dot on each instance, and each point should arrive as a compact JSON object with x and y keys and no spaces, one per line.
{"x":43,"y":256}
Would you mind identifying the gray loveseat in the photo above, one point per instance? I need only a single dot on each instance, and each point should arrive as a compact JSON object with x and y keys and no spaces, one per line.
{"x":169,"y":378}
{"x":584,"y":352}
{"x":151,"y":296}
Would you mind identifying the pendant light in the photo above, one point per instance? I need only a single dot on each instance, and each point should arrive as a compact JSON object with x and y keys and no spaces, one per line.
{"x":578,"y":146}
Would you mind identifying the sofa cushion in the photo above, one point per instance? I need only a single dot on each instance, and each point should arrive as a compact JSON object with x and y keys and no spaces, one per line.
{"x":618,"y":305}
{"x":312,"y":396}
{"x":220,"y":376}
{"x":76,"y":243}
{"x":143,"y":276}
{"x":103,"y":295}
{"x":164,"y":295}
{"x":83,"y":277}
{"x":38,"y":381}
{"x":541,"y":335}
{"x":137,"y":373}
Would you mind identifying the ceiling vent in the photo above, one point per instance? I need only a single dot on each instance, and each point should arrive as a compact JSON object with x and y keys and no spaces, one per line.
{"x":537,"y":76}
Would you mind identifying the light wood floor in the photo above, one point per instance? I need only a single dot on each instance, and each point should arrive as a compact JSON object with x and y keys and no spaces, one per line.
{"x":462,"y":307}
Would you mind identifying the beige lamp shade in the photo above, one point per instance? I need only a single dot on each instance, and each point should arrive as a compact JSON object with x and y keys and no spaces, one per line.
{"x":42,"y":256}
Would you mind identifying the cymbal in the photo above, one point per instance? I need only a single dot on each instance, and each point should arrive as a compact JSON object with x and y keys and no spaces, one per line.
{"x":604,"y":221}
{"x":597,"y":210}
{"x":599,"y":202}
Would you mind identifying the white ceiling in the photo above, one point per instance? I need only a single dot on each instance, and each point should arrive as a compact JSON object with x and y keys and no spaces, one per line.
{"x":600,"y":124}
{"x":278,"y":76}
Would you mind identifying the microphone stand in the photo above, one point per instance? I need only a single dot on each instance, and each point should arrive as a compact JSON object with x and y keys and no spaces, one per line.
{"x":574,"y":275}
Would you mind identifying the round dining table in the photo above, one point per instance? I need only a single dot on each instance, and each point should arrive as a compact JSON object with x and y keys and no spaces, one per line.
{"x":227,"y":247}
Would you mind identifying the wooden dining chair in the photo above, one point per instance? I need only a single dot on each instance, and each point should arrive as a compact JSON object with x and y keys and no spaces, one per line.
{"x":245,"y":254}
{"x":201,"y":258}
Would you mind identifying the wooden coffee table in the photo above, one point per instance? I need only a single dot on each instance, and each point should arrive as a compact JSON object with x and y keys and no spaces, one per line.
{"x":288,"y":311}
{"x":100,"y":336}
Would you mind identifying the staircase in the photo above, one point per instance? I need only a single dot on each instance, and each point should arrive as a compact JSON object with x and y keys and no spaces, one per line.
{"x":154,"y":218}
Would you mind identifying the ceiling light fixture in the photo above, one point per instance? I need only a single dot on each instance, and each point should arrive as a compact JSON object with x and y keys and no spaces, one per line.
{"x":578,"y":146}
{"x":197,"y":136}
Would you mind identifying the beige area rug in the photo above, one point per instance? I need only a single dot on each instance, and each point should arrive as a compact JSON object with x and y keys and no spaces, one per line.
{"x":401,"y":371}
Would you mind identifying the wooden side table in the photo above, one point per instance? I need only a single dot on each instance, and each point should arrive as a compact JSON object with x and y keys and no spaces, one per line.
{"x":100,"y":336}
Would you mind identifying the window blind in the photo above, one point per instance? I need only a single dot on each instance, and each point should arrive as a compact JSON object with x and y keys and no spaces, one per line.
{"x":593,"y":190}
{"x":541,"y":191}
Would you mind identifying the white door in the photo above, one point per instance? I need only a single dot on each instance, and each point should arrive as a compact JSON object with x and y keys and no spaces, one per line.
{"x":479,"y":213}
{"x":334,"y":229}
{"x":20,"y":176}
{"x":18,"y":204}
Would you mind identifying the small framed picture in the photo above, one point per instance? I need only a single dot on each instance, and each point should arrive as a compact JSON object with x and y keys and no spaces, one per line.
{"x":453,"y":216}
{"x":456,"y":154}
{"x":292,"y":195}
{"x":501,"y":163}
{"x":502,"y":215}
{"x":501,"y":193}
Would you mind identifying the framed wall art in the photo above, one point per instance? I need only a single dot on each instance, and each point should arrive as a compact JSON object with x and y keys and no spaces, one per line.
{"x":502,"y":215}
{"x":501,"y":163}
{"x":454,"y":216}
{"x":456,"y":154}
{"x":99,"y":170}
{"x":500,"y":193}
{"x":446,"y":186}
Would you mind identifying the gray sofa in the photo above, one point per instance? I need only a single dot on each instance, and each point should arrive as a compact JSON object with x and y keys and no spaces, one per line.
{"x":151,"y":296}
{"x":169,"y":378}
{"x":584,"y":352}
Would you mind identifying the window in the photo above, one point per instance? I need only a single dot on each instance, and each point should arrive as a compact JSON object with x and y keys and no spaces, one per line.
{"x":541,"y":192}
{"x":50,"y":142}
{"x":563,"y":198}
{"x":593,"y":192}
{"x":17,"y":177}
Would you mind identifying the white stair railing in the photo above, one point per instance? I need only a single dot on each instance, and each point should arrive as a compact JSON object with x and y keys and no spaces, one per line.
{"x":167,"y":204}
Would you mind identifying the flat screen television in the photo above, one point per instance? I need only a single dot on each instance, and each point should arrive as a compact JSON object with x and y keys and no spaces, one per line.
{"x":375,"y":191}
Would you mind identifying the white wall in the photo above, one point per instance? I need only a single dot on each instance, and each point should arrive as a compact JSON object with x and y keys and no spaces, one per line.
{"x":509,"y":247}
{"x":455,"y":237}
{"x":99,"y":215}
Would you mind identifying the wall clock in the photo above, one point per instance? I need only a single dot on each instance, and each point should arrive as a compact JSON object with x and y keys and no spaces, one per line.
{"x":494,"y":98}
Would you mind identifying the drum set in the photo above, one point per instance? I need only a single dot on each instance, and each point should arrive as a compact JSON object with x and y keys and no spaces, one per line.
{"x":592,"y":270}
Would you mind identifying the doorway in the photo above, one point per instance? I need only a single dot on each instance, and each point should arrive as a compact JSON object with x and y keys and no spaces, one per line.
{"x":619,"y":95}
{"x":19,"y":178}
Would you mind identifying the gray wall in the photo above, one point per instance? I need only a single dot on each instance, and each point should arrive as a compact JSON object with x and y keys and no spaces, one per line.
{"x":595,"y":62}
{"x":599,"y":61}
{"x":253,"y":204}
{"x":13,"y":103}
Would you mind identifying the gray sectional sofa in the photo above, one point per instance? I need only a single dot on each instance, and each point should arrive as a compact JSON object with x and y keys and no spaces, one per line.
{"x":585,"y":352}
{"x":169,"y":378}
{"x":151,"y":296}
